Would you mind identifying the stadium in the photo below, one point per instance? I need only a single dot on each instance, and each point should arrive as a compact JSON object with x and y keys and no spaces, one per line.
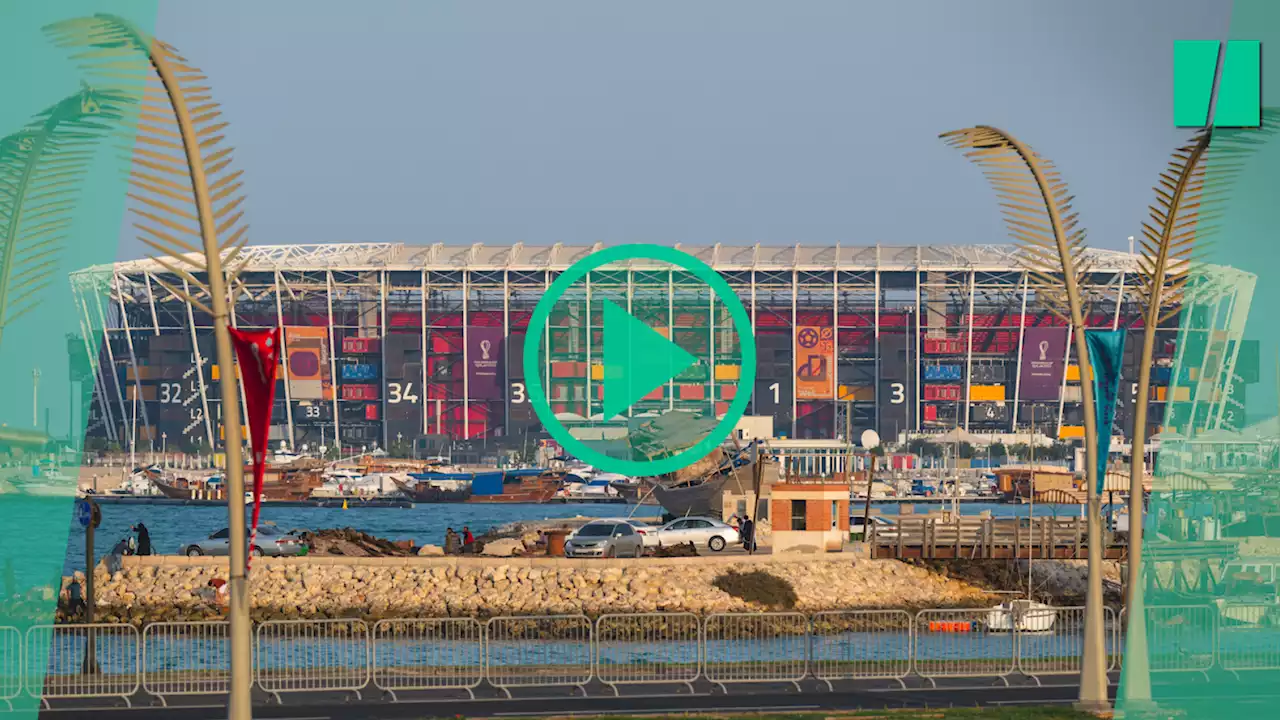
{"x":382,"y":343}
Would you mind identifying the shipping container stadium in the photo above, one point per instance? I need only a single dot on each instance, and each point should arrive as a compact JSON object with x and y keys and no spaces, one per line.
{"x":378,"y":338}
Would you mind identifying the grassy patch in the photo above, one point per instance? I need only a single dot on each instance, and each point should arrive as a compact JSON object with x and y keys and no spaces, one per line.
{"x":758,"y":587}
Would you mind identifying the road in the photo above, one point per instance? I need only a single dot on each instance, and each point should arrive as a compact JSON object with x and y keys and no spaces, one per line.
{"x":332,"y":707}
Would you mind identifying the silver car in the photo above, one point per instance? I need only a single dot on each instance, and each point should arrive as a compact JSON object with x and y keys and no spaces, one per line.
{"x":270,"y":541}
{"x":706,"y":532}
{"x":606,"y":538}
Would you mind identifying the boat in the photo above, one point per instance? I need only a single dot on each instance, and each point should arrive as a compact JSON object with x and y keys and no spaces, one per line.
{"x":1027,"y":616}
{"x":292,"y":482}
{"x":433,"y":487}
{"x":596,"y":489}
{"x":528,"y":485}
{"x":703,"y":493}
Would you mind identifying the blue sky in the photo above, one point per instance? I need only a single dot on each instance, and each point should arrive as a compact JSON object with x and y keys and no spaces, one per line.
{"x":697,"y":122}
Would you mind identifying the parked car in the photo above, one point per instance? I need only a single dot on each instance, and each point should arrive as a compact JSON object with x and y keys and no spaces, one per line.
{"x":920,"y":488}
{"x":604,"y":538}
{"x":270,"y":541}
{"x":710,"y":533}
{"x":883,"y":526}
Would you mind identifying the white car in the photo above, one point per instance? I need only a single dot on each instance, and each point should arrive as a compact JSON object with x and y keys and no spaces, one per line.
{"x":710,"y":533}
{"x":884,"y":528}
{"x":648,"y":533}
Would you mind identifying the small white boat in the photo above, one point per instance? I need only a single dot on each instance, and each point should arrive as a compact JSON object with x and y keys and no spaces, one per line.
{"x":1027,"y":616}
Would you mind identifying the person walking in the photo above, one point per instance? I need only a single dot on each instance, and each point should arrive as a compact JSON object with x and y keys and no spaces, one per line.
{"x":748,"y":533}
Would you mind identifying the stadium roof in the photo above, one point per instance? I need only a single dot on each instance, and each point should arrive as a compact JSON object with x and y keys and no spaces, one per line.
{"x":442,"y":257}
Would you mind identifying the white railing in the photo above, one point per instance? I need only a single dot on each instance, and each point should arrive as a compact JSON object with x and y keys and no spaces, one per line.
{"x":971,"y":642}
{"x":756,"y":647}
{"x":10,"y":664}
{"x":428,"y":654}
{"x":648,"y":648}
{"x":861,"y":645}
{"x":618,"y":650}
{"x":312,"y":655}
{"x":81,"y":661}
{"x":186,"y":658}
{"x":541,"y":651}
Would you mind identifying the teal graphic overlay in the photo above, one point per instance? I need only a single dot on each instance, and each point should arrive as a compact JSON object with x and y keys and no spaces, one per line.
{"x":1211,"y":556}
{"x":1239,"y":100}
{"x":634,"y":338}
{"x":637,"y":360}
{"x":61,"y":207}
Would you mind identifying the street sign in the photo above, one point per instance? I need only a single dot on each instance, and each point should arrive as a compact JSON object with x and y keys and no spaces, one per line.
{"x":87,"y":513}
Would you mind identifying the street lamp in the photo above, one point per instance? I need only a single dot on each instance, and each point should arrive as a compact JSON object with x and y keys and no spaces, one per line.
{"x":1037,"y":209}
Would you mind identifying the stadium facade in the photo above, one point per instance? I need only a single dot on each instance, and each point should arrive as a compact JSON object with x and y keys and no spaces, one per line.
{"x":382,"y":342}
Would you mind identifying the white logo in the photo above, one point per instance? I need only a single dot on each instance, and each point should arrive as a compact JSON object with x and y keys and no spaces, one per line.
{"x":1044,"y":350}
{"x":484,"y":348}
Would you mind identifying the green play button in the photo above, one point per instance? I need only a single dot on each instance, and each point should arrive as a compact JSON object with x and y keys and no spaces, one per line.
{"x":636,"y":360}
{"x":633,"y":360}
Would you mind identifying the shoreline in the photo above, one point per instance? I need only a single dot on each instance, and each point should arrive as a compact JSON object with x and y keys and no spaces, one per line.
{"x":173,"y":588}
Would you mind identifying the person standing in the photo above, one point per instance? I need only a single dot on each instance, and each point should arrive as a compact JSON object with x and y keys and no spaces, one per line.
{"x":452,"y":545}
{"x":748,"y":533}
{"x":467,"y":537}
{"x":144,"y":539}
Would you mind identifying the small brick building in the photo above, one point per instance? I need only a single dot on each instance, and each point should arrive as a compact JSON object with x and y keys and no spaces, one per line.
{"x":809,"y":514}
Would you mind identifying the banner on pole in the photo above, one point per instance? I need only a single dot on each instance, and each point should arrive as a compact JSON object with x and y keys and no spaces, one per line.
{"x":1106,"y":352}
{"x":484,"y":363}
{"x":258,"y":353}
{"x":1044,"y":351}
{"x":815,"y":359}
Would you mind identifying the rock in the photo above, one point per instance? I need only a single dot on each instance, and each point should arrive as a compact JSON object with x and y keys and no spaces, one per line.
{"x":430,"y":551}
{"x":503,"y":548}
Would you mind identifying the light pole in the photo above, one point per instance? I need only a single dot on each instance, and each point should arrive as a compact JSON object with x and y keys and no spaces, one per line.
{"x":35,"y":397}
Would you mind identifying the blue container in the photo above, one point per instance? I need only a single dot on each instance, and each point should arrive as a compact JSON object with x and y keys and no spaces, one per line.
{"x":359,"y":372}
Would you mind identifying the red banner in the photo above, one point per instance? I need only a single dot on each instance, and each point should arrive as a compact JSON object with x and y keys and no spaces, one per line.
{"x":258,"y":352}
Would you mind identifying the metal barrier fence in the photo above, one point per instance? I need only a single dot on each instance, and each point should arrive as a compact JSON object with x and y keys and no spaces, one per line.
{"x":861,"y":645}
{"x":1182,"y":638}
{"x":544,"y":651}
{"x":756,"y":647}
{"x":312,"y":655}
{"x":78,"y":661}
{"x":186,"y":658}
{"x":970,"y":642}
{"x":460,"y":654}
{"x":10,"y":664}
{"x":648,"y":648}
{"x":428,"y":654}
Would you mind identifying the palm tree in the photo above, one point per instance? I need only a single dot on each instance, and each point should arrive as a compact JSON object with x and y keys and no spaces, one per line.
{"x":1037,"y":210}
{"x":42,"y":167}
{"x":187,"y":202}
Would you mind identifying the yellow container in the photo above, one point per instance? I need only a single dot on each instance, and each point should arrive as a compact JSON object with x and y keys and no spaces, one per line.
{"x":857,"y":393}
{"x":1181,"y":394}
{"x":216,"y":374}
{"x":986,"y":393}
{"x":597,"y":372}
{"x":728,"y":372}
{"x":1070,"y":431}
{"x":1073,"y":373}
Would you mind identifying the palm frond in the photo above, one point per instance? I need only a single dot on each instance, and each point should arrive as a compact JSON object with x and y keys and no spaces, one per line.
{"x":180,"y":134}
{"x":42,"y":167}
{"x":1036,"y":205}
{"x":1190,"y":198}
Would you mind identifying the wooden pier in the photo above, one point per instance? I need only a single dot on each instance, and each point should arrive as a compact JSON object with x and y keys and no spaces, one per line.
{"x":935,"y":538}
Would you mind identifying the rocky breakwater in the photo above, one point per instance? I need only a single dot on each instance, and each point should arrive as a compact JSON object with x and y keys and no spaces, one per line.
{"x":374,"y":589}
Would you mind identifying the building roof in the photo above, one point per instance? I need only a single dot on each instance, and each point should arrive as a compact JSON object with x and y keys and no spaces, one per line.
{"x":442,"y":257}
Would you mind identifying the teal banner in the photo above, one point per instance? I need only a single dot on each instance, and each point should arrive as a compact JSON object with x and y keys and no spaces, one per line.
{"x":1106,"y":352}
